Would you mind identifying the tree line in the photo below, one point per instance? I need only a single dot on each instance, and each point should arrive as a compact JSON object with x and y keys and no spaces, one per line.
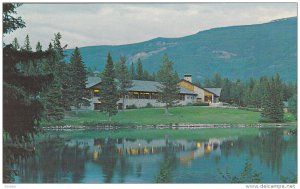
{"x":68,"y":86}
{"x":265,"y":93}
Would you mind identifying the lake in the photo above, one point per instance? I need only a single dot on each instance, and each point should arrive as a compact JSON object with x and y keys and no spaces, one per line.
{"x":272,"y":154}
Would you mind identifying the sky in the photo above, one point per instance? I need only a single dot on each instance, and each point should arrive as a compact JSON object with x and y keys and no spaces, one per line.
{"x":117,"y":24}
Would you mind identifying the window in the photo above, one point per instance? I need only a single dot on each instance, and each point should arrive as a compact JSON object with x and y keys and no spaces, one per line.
{"x":96,"y":92}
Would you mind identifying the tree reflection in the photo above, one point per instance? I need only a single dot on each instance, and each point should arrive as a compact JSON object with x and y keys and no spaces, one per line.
{"x":269,"y":147}
{"x":109,"y":160}
{"x":167,"y":166}
{"x":55,"y":162}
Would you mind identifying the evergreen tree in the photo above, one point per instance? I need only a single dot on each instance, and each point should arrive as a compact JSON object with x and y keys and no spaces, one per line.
{"x":15,"y":44}
{"x":288,"y":91}
{"x":216,"y":81}
{"x":124,"y":80}
{"x":108,"y":95}
{"x":153,"y":77}
{"x":52,"y":102}
{"x":146,"y":75}
{"x":226,"y":91}
{"x":61,"y":71}
{"x":38,"y":47}
{"x":207,"y":83}
{"x":237,"y":92}
{"x":78,"y":77}
{"x":139,"y":70}
{"x":272,"y":101}
{"x":26,"y":46}
{"x":132,"y":71}
{"x":52,"y":96}
{"x":21,"y":106}
{"x":292,"y":105}
{"x":168,"y":80}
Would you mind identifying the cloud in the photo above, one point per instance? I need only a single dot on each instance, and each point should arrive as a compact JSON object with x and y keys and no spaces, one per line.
{"x":114,"y":24}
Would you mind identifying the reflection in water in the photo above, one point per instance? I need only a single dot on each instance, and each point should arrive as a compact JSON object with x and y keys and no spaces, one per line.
{"x":165,"y":160}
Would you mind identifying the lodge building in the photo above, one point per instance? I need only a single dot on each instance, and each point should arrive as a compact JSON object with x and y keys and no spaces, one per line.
{"x":145,"y":93}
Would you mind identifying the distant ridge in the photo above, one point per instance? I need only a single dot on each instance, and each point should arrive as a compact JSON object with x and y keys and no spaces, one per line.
{"x":235,"y":52}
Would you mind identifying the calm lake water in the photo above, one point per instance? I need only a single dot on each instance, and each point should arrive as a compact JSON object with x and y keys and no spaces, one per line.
{"x":272,"y":153}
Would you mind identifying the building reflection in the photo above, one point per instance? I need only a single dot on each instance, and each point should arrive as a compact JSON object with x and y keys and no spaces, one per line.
{"x":122,"y":160}
{"x":188,"y":150}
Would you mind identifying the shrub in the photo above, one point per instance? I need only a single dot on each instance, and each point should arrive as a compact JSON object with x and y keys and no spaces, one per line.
{"x":148,"y":105}
{"x":249,"y":109}
{"x":131,"y":106}
{"x":201,"y":104}
{"x":266,"y":120}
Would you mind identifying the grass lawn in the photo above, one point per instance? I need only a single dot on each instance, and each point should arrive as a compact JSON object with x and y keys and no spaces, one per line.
{"x":155,"y":116}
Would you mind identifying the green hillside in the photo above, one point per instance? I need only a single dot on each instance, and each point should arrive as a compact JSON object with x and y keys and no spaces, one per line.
{"x":234,"y":52}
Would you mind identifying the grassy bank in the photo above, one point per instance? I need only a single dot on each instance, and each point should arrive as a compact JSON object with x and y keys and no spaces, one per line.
{"x":155,"y":116}
{"x":148,"y":134}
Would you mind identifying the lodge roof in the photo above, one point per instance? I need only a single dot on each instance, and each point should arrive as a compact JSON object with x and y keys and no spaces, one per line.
{"x":216,"y":91}
{"x":138,"y":85}
{"x":92,"y":81}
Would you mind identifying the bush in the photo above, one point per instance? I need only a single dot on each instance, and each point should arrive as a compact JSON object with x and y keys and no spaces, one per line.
{"x":249,"y":109}
{"x":266,"y":120}
{"x":251,"y":106}
{"x":201,"y":104}
{"x":148,"y":105}
{"x":131,"y":107}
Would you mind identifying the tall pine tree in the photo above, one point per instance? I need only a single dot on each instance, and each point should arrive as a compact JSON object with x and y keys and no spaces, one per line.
{"x":168,"y":80}
{"x":132,"y":71}
{"x":108,"y":95}
{"x":78,"y":78}
{"x":22,"y":109}
{"x":52,"y":96}
{"x":124,"y":80}
{"x":272,"y":101}
{"x":38,"y":47}
{"x":15,"y":44}
{"x":26,"y":46}
{"x":139,"y":70}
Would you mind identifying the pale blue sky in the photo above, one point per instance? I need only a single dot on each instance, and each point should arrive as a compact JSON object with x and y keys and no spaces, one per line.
{"x":115,"y":24}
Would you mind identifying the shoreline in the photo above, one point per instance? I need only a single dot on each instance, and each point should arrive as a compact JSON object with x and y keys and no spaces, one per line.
{"x":164,"y":126}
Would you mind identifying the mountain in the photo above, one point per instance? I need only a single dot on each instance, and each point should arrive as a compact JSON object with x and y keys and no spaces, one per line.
{"x":234,"y":52}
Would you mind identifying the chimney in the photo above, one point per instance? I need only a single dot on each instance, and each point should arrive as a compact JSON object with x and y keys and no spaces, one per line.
{"x":188,"y":77}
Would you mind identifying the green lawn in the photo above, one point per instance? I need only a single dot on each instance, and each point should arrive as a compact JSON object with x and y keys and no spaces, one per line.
{"x":155,"y":116}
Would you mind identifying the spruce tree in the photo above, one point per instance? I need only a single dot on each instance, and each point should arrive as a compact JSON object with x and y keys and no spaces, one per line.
{"x":26,"y":46}
{"x":292,"y":105}
{"x":78,"y":78}
{"x":38,"y":47}
{"x":52,"y":96}
{"x":108,"y":95}
{"x":124,"y":80}
{"x":22,"y":109}
{"x":139,"y":70}
{"x":216,"y":81}
{"x":15,"y":44}
{"x":146,"y":75}
{"x":207,"y":83}
{"x":226,"y":91}
{"x":61,"y":70}
{"x":273,"y":101}
{"x":132,"y":71}
{"x":153,"y":77}
{"x":168,"y":79}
